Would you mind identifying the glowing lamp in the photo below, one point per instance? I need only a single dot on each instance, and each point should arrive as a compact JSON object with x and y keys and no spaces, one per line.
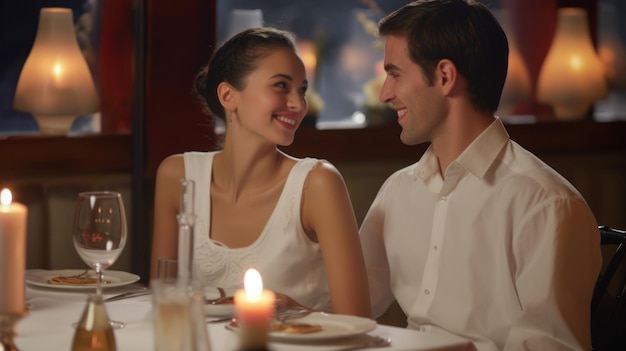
{"x":55,"y":84}
{"x":572,"y":76}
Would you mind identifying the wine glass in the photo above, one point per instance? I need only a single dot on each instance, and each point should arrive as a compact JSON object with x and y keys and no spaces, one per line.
{"x":100,"y":231}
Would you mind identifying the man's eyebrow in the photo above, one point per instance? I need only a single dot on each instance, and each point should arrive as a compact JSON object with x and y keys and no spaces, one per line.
{"x":391,"y":67}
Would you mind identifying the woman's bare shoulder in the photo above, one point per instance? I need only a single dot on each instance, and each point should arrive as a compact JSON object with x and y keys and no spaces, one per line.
{"x":172,"y":166}
{"x":324,"y":173}
{"x":324,"y":178}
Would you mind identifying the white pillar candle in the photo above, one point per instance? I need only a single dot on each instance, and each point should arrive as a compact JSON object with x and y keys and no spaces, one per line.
{"x":12,"y":254}
{"x":254,"y":308}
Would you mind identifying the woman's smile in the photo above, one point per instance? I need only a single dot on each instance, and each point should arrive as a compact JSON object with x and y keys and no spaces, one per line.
{"x":287,"y":121}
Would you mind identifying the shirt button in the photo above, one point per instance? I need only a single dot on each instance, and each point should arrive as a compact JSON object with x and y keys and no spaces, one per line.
{"x":443,"y":199}
{"x":427,"y":292}
{"x":435,"y":247}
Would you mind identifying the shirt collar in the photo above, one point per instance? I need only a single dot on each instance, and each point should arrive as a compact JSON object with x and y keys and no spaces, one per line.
{"x":476,"y":158}
{"x":428,"y":165}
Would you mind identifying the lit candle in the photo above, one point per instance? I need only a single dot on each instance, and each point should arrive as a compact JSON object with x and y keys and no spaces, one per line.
{"x":254,"y":308}
{"x":12,"y":254}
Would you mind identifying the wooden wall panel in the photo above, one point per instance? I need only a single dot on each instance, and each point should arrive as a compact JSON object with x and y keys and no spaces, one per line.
{"x":175,"y":42}
{"x":116,"y":65}
{"x":179,"y":40}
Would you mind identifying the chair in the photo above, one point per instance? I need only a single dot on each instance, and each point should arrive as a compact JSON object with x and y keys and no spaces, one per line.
{"x":608,"y":313}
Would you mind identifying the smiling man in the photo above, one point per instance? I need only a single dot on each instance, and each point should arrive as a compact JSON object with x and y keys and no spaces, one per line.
{"x":479,"y":238}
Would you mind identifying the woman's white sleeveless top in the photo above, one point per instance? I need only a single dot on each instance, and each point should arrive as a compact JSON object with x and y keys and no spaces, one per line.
{"x":288,"y":261}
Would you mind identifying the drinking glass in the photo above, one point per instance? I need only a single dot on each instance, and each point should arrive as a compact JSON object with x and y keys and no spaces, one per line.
{"x":100,"y":231}
{"x":167,"y":269}
{"x":178,"y":317}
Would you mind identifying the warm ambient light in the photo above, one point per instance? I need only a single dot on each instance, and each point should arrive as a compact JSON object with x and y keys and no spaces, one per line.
{"x":254,"y":308}
{"x":6,"y":197}
{"x":308,"y":54}
{"x":572,"y":76}
{"x":253,"y":284}
{"x":55,"y":84}
{"x":517,"y":87}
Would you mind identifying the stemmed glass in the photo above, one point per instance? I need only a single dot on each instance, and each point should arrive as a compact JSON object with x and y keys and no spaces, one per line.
{"x":100,"y":231}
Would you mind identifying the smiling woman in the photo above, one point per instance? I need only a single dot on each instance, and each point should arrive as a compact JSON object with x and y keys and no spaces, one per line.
{"x":299,"y":218}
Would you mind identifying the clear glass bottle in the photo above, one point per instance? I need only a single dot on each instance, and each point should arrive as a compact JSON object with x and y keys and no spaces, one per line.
{"x":186,"y":221}
{"x":94,"y":332}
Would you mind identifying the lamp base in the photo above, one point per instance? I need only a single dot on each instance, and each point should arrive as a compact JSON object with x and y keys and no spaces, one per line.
{"x":54,"y":125}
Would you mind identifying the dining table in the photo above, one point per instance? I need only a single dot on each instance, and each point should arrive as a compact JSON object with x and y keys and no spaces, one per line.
{"x":49,"y":324}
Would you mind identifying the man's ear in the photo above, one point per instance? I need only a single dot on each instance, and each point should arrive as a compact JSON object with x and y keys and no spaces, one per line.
{"x":226,"y":93}
{"x":447,"y":75}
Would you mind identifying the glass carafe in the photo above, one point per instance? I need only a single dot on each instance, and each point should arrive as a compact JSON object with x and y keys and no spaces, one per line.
{"x":94,"y":331}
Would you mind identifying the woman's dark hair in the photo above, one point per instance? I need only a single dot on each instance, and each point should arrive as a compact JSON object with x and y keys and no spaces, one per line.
{"x":463,"y":31}
{"x":235,"y":59}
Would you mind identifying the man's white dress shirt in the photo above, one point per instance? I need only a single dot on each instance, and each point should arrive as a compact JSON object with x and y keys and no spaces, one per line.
{"x":502,"y":250}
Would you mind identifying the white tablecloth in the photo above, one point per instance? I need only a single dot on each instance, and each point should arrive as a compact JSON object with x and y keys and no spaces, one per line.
{"x":48,"y":326}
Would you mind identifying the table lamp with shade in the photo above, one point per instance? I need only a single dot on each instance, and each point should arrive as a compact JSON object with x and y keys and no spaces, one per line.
{"x":572,"y":76}
{"x":55,"y":84}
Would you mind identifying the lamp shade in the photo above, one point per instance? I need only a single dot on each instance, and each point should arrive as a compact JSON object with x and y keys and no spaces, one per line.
{"x":572,"y":76}
{"x":55,"y":81}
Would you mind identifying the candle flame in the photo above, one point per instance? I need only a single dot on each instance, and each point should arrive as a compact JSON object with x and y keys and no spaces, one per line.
{"x":6,"y":197}
{"x":253,"y":284}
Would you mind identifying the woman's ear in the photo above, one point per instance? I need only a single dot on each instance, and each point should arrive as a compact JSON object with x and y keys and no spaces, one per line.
{"x":227,"y":95}
{"x":447,"y":75}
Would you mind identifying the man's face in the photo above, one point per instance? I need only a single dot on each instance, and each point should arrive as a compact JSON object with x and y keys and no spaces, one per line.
{"x":420,"y":105}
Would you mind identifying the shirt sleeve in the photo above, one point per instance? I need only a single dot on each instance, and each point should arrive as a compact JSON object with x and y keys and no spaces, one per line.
{"x":374,"y":251}
{"x":557,"y":252}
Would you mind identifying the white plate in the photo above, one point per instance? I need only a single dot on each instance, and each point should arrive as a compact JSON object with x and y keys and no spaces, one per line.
{"x":334,"y":326}
{"x":40,"y":277}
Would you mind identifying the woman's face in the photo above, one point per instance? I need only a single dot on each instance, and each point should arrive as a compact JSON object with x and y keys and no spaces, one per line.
{"x":272,"y":104}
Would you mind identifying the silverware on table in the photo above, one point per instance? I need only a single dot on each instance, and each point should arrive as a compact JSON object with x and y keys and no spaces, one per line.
{"x":219,"y":300}
{"x":222,"y":299}
{"x":127,"y":295}
{"x":282,"y":317}
{"x":144,"y":291}
{"x":287,"y":315}
{"x":220,"y":320}
{"x":374,"y":341}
